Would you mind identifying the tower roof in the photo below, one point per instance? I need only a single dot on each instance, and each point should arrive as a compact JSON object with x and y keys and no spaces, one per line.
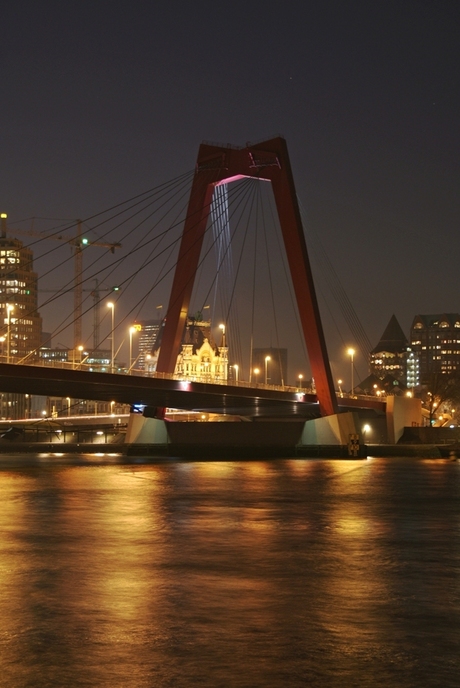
{"x":393,"y":339}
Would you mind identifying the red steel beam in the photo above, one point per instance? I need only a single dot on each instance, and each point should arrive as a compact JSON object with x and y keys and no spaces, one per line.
{"x":268,"y":161}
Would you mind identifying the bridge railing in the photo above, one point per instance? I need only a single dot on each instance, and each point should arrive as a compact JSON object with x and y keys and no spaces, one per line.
{"x":96,"y":367}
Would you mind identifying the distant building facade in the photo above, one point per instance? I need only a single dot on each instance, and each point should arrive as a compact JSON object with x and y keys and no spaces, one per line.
{"x":20,"y":322}
{"x":148,"y":335}
{"x":435,"y":339}
{"x":394,"y":357}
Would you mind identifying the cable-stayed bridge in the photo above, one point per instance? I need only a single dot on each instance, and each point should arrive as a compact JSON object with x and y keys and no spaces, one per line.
{"x":202,"y":217}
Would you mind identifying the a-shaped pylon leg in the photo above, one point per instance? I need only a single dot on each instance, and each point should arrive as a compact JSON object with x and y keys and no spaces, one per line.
{"x":268,"y":161}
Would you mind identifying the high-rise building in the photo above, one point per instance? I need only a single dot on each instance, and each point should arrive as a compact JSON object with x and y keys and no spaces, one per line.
{"x":390,"y":355}
{"x":435,"y":339}
{"x":148,"y":334}
{"x":20,"y":324}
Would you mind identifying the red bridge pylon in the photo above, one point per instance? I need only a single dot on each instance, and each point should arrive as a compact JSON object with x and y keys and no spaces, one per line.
{"x":267,"y":161}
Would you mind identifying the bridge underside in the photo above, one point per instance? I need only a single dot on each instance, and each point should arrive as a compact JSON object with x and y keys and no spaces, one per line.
{"x":155,"y":392}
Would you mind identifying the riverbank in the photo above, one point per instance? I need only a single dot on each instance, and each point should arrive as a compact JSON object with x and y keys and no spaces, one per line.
{"x":42,"y":452}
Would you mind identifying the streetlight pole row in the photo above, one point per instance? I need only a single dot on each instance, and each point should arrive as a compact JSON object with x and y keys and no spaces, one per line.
{"x":112,"y":306}
{"x":351,"y":353}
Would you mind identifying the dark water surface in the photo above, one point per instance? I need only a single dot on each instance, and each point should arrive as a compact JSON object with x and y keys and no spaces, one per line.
{"x":279,"y":573}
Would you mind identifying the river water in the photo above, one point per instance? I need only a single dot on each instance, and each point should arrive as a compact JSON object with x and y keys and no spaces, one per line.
{"x":279,"y":573}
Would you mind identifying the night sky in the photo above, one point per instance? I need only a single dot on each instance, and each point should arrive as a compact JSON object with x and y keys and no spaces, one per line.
{"x":103,"y":100}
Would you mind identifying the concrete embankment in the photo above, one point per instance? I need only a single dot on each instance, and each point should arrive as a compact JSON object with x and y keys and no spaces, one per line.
{"x":39,"y":453}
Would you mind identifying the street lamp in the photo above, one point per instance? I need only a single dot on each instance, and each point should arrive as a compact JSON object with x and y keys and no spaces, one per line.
{"x":9,"y":308}
{"x":68,"y":406}
{"x":256,"y":372}
{"x":340,"y":382}
{"x":366,"y":430}
{"x":112,"y":306}
{"x":267,"y":359}
{"x":222,"y":327}
{"x":300,"y":380}
{"x":80,"y":349}
{"x":112,"y":403}
{"x":236,"y":369}
{"x":351,"y":353}
{"x":132,"y":330}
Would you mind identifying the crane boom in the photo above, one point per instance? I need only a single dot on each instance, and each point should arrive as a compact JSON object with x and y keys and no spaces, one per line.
{"x":79,"y":243}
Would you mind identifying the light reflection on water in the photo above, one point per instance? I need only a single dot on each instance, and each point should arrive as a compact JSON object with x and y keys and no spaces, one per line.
{"x":279,"y":573}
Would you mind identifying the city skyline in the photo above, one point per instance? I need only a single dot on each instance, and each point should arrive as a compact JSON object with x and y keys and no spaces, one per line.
{"x":99,"y":106}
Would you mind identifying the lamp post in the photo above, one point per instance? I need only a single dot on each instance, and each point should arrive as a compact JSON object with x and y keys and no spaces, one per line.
{"x":2,"y":342}
{"x":80,"y":349}
{"x":9,"y":308}
{"x":112,"y":306}
{"x":351,"y":353}
{"x":300,"y":380}
{"x":222,"y":327}
{"x":267,"y":359}
{"x":68,"y":406}
{"x":132,"y":330}
{"x":340,"y":382}
{"x":256,"y":373}
{"x":236,"y":369}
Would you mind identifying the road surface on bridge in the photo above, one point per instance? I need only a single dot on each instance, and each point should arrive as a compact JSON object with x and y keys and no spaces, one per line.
{"x":160,"y":392}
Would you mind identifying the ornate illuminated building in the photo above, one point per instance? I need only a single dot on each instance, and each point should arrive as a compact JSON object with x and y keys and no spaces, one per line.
{"x":435,"y":339}
{"x":200,"y":359}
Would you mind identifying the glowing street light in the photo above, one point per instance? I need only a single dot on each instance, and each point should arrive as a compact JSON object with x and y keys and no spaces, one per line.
{"x":236,"y":369}
{"x":256,"y":373}
{"x":132,"y":330}
{"x":340,"y":383}
{"x":112,"y":306}
{"x":112,"y":404}
{"x":9,"y":308}
{"x":351,"y":353}
{"x":222,"y":327}
{"x":267,"y":359}
{"x":68,"y":405}
{"x":300,"y":380}
{"x":366,"y":430}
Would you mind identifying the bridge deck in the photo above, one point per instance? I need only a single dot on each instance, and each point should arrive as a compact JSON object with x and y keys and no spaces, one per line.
{"x":158,"y":391}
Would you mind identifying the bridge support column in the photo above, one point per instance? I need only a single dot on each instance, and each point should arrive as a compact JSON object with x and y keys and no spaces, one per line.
{"x":142,"y":430}
{"x":330,"y":430}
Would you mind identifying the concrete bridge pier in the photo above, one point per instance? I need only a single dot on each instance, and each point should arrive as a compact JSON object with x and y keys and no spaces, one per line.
{"x":142,"y":430}
{"x":273,"y":435}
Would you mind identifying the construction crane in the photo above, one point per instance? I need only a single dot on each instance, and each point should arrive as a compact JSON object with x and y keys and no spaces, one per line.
{"x":96,"y":294}
{"x":79,"y":242}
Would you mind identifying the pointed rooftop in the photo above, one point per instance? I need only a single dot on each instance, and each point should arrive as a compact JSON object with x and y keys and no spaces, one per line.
{"x":393,"y":339}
